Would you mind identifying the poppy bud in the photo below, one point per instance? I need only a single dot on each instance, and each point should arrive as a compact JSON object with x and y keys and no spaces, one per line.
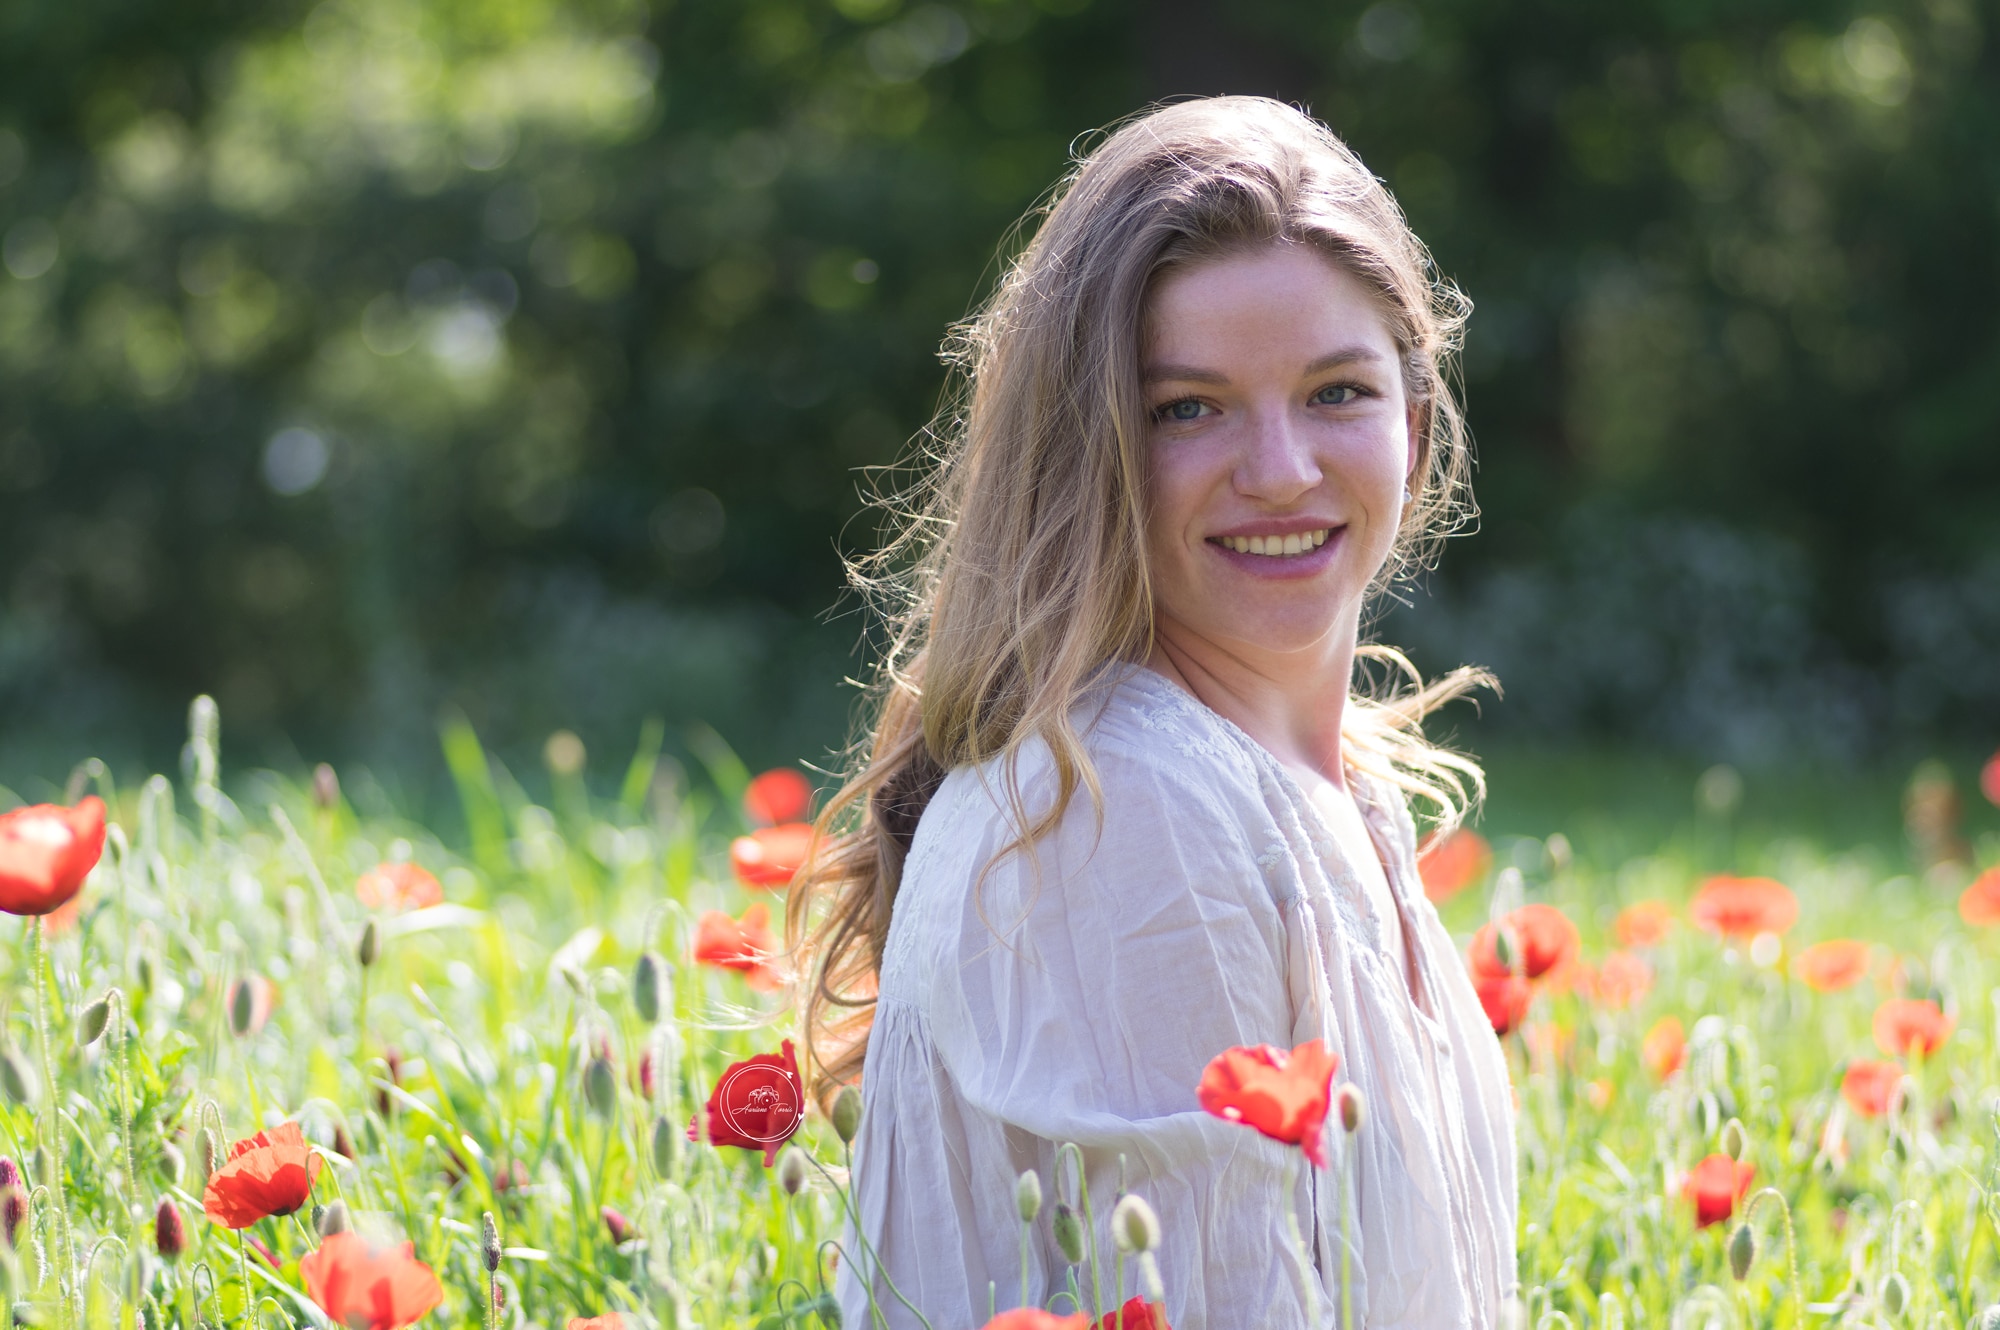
{"x":1895,"y":1294}
{"x":846,"y":1114}
{"x":1069,"y":1234}
{"x":666,"y":1147}
{"x":242,"y":1007}
{"x":1734,"y":1139}
{"x":1353,"y":1107}
{"x":13,"y":1211}
{"x":489,"y":1242}
{"x":792,"y":1170}
{"x":600,"y":1086}
{"x":205,"y":1160}
{"x":617,"y":1225}
{"x":172,"y":1162}
{"x":1503,"y":948}
{"x":325,"y":787}
{"x":343,"y":1143}
{"x":370,"y":946}
{"x":1742,"y":1251}
{"x":333,"y":1219}
{"x":44,"y":1165}
{"x":1028,"y":1195}
{"x":16,"y":1079}
{"x":90,"y":1026}
{"x":10,"y":1172}
{"x":147,"y":967}
{"x":829,"y":1313}
{"x":648,"y":984}
{"x":169,"y":1230}
{"x":1990,"y":1318}
{"x":1134,"y":1226}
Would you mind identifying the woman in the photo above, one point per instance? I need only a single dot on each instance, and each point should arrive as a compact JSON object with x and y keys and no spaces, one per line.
{"x":1121,"y":811}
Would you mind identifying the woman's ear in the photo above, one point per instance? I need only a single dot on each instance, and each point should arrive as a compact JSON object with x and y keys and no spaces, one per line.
{"x":1419,"y":421}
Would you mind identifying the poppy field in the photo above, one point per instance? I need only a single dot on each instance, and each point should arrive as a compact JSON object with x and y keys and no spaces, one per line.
{"x":269,"y":1058}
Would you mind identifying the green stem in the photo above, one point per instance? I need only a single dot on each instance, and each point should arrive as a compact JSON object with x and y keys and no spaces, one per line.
{"x":853,"y":1213}
{"x":1307,"y":1293}
{"x":66,"y":1236}
{"x":243,"y":1273}
{"x":1090,"y":1227}
{"x":125,"y":1116}
{"x":1024,"y":1263}
{"x":1347,"y":1235}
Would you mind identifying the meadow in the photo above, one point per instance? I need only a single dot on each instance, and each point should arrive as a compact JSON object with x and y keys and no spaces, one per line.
{"x":277,"y":1062}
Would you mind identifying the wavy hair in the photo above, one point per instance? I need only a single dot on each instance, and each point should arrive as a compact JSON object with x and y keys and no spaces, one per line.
{"x":1016,"y":568}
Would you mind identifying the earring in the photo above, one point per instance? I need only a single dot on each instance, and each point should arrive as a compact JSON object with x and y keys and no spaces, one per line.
{"x":1407,"y":496}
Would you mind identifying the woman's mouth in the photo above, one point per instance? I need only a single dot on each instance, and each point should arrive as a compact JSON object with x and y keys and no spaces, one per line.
{"x":1275,"y":547}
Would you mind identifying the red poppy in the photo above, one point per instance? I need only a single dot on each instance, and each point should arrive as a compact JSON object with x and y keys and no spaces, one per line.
{"x":368,"y":1287}
{"x":608,"y":1321}
{"x":616,"y":1224}
{"x":263,"y":1000}
{"x":46,"y":851}
{"x":1870,"y":1088}
{"x":1644,"y":924}
{"x":271,"y":1173}
{"x":1450,"y":864}
{"x":779,"y":795}
{"x":745,"y":945}
{"x":1979,"y":904}
{"x":1908,"y":1027}
{"x":1034,"y":1318}
{"x":1544,"y":941}
{"x":1744,"y":906}
{"x":1284,"y":1095}
{"x":1664,"y":1048}
{"x":1505,"y":999}
{"x":397,"y":887}
{"x":1828,"y":967}
{"x":756,"y":1104}
{"x":1622,"y":980}
{"x":1136,"y":1314}
{"x":1989,"y":779}
{"x":769,"y":856}
{"x":1715,"y":1185}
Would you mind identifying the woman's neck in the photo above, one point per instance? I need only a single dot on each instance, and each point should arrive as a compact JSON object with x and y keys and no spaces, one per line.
{"x":1291,"y":704}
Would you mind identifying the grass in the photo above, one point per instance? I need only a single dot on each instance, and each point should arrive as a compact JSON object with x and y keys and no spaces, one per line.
{"x":448,"y":1080}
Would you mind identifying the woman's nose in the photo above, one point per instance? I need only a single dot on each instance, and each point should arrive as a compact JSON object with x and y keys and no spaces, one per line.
{"x":1277,"y":463}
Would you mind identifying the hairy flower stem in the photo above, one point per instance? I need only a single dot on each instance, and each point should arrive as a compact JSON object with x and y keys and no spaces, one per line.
{"x":65,"y":1234}
{"x":243,"y":1273}
{"x":1307,"y":1294}
{"x":1347,"y":1181}
{"x":123,"y":1058}
{"x":854,"y":1214}
{"x":1791,"y":1246}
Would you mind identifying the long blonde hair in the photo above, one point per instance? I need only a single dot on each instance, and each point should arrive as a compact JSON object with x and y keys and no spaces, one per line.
{"x":1018,"y":569}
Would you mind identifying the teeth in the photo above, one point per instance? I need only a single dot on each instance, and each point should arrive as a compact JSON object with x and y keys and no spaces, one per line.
{"x":1278,"y":546}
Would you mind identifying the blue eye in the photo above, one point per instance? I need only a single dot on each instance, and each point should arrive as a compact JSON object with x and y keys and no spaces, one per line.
{"x":1187,"y":408}
{"x":1336,"y":394}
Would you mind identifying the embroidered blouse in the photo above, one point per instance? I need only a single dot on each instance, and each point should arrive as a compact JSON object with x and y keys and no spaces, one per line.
{"x":1212,"y":907}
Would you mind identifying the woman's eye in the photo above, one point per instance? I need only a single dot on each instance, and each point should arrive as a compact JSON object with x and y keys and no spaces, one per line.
{"x":1336,"y":394}
{"x":1187,"y":408}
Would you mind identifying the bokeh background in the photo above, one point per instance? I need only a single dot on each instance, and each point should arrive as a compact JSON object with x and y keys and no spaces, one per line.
{"x":366,"y":359}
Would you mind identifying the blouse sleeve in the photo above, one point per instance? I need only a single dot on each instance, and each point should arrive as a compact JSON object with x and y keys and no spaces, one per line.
{"x":1119,"y":961}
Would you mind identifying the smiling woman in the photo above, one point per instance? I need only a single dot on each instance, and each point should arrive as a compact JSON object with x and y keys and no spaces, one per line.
{"x":1207,"y":421}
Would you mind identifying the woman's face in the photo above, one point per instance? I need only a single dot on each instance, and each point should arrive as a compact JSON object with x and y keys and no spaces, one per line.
{"x":1281,"y":440}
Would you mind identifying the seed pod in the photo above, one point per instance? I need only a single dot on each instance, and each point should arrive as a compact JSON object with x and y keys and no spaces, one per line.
{"x":369,"y":949}
{"x":1134,"y":1226}
{"x":90,"y":1026}
{"x":666,"y":1147}
{"x":1028,"y":1195}
{"x":169,"y":1230}
{"x":1895,"y":1294}
{"x":206,"y":1159}
{"x":792,"y":1170}
{"x":1353,"y":1107}
{"x":15,"y":1078}
{"x":489,"y":1242}
{"x":172,"y":1163}
{"x":846,"y":1114}
{"x":1735,"y":1141}
{"x":1742,"y":1251}
{"x":600,"y":1086}
{"x":648,"y":986}
{"x":242,"y":1007}
{"x":334,"y":1219}
{"x":1069,"y":1234}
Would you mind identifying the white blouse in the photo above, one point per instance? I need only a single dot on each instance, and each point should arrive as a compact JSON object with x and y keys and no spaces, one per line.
{"x":1212,"y":909}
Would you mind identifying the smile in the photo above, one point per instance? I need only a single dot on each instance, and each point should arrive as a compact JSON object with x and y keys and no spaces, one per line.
{"x":1277,"y":547}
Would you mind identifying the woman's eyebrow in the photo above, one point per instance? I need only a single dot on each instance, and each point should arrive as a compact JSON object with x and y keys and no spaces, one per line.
{"x":1349,"y":355}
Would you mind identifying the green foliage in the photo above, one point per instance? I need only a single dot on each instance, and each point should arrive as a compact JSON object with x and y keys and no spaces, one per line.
{"x":361,"y":355}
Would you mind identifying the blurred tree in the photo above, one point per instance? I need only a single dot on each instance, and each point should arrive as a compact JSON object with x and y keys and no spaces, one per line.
{"x":358,"y":356}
